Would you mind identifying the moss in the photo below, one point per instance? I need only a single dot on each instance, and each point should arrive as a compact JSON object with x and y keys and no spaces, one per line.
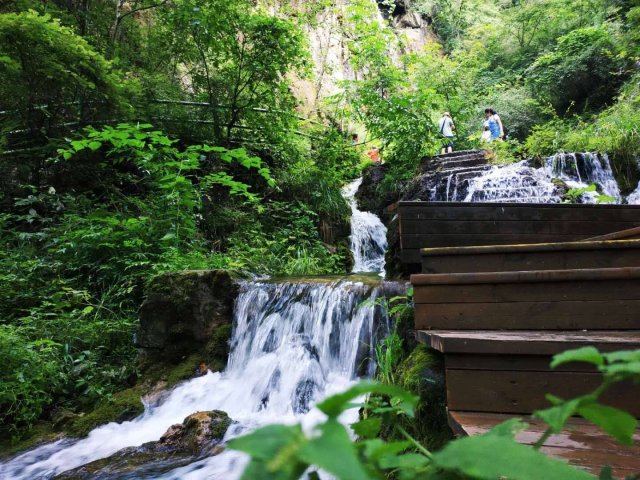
{"x":40,"y":433}
{"x":422,"y":373}
{"x":219,"y":424}
{"x":122,"y":406}
{"x":217,"y":349}
{"x":169,"y":375}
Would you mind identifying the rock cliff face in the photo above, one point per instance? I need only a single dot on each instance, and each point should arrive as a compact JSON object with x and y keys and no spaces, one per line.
{"x":183,"y":312}
{"x":328,"y":45}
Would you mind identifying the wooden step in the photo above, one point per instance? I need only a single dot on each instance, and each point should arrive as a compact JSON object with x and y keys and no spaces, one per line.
{"x":594,"y":299}
{"x":508,"y":372}
{"x":458,"y":224}
{"x":628,"y":234}
{"x":581,"y":443}
{"x":542,"y":256}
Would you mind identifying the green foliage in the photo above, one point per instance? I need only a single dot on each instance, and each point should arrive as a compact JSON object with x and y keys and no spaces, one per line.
{"x":573,"y":195}
{"x":284,"y":452}
{"x":51,"y":76}
{"x":578,"y":70}
{"x":29,"y":376}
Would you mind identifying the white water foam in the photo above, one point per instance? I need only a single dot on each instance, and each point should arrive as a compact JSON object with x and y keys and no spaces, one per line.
{"x":368,"y":235}
{"x":521,"y":183}
{"x":292,"y":345}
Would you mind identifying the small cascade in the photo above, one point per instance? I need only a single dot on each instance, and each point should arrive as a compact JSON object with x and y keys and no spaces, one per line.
{"x":523,"y":183}
{"x":293,"y":343}
{"x":368,"y":235}
{"x":517,"y":182}
{"x":583,"y":169}
{"x":634,"y":197}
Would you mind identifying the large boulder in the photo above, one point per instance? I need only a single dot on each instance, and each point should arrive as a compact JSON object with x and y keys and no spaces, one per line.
{"x":183,"y":311}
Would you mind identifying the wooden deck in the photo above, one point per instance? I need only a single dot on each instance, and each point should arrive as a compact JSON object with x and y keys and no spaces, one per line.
{"x":498,"y":313}
{"x":455,"y":224}
{"x":580,"y":444}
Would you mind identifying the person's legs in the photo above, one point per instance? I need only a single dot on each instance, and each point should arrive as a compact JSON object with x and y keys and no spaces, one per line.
{"x":450,"y":145}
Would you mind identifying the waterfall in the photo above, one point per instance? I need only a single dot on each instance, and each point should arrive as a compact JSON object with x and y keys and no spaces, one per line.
{"x":523,"y":183}
{"x":293,"y":343}
{"x":368,"y":235}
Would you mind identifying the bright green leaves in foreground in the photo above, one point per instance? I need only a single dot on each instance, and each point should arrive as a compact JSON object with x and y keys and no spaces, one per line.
{"x":615,"y":367}
{"x":285,"y":452}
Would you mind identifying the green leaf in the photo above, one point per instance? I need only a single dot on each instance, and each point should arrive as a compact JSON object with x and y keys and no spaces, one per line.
{"x":408,"y":461}
{"x":623,"y":356}
{"x":606,"y":473}
{"x":334,"y":452}
{"x":95,"y":145}
{"x":368,"y":427}
{"x":336,"y":404}
{"x":617,"y":423}
{"x":78,"y":145}
{"x":509,"y":428}
{"x":628,"y":369}
{"x":556,"y":417}
{"x":493,"y":457}
{"x":266,"y":442}
{"x":584,"y":354}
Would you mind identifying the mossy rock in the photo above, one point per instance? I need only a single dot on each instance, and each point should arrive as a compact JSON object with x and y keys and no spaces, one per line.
{"x":182,"y":311}
{"x":122,"y":406}
{"x":422,"y":373}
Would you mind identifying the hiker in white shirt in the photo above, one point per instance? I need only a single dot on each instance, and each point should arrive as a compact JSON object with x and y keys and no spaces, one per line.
{"x":446,"y":128}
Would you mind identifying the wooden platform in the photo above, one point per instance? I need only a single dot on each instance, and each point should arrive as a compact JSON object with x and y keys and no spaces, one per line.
{"x":508,"y":372}
{"x":455,"y":224}
{"x":543,"y":256}
{"x":606,"y":298}
{"x":580,"y":444}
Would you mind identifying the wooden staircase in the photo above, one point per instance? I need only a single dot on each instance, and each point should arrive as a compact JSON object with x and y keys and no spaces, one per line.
{"x":498,"y":313}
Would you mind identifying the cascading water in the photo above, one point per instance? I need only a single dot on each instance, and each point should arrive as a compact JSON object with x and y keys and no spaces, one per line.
{"x":521,"y":182}
{"x":293,"y":343}
{"x":368,"y":235}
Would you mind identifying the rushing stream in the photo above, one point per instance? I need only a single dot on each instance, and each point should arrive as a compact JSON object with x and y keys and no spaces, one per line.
{"x":294,"y":342}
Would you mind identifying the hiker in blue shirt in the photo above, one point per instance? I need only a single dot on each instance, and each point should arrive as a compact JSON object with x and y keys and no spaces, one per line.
{"x":495,"y":124}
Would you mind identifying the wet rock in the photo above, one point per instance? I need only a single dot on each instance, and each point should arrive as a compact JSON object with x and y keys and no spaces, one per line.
{"x":198,"y":432}
{"x":368,"y":197}
{"x":199,"y":435}
{"x":182,"y":312}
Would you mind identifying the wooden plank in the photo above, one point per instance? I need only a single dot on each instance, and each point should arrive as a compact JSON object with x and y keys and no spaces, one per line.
{"x":466,"y":239}
{"x":580,"y":443}
{"x":626,"y":234}
{"x":532,"y":261}
{"x":529,"y":292}
{"x":526,"y":363}
{"x":597,"y":245}
{"x":516,"y":211}
{"x":525,"y":342}
{"x":524,"y":392}
{"x":538,"y":227}
{"x":531,"y":276}
{"x":559,"y":315}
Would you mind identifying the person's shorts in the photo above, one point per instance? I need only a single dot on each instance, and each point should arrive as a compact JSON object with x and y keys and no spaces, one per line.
{"x":447,"y":142}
